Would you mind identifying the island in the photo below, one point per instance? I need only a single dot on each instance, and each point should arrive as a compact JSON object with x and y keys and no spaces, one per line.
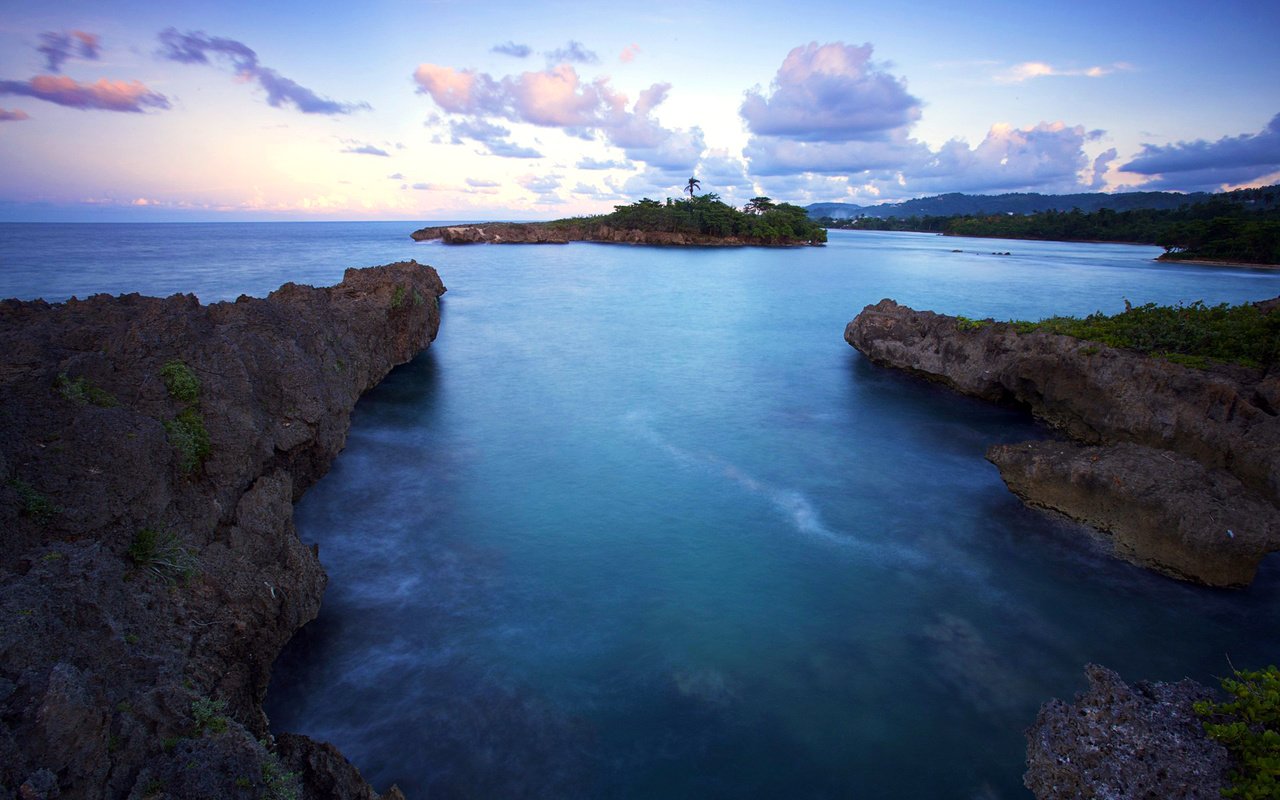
{"x":700,"y":221}
{"x":151,"y":451}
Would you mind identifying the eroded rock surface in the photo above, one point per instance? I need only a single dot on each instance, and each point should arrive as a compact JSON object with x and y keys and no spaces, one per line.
{"x":128,"y":672}
{"x":1215,"y":434}
{"x":1121,"y":742}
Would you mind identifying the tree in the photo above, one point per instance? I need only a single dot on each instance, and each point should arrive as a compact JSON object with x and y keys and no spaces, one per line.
{"x":758,"y":205}
{"x":694,"y":183}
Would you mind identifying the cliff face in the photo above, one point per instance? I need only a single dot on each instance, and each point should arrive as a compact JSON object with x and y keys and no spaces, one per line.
{"x":542,"y":233}
{"x":151,"y":451}
{"x":1195,"y":489}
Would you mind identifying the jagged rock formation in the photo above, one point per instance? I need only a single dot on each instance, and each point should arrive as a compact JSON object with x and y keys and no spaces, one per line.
{"x":1184,"y":468}
{"x":150,"y":452}
{"x":545,"y":233}
{"x":1124,"y":743}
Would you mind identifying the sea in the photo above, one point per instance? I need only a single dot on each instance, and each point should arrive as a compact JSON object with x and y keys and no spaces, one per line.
{"x":640,"y":524}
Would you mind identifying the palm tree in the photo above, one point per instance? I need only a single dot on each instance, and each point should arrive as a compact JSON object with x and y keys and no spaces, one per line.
{"x":694,"y":183}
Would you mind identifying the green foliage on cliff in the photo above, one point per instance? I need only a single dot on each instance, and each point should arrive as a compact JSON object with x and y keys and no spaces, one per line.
{"x":32,"y":503}
{"x":181,"y":381}
{"x":706,"y":215}
{"x":82,"y":391}
{"x":189,"y":437}
{"x":1248,"y":725}
{"x":187,"y":432}
{"x":163,"y":554}
{"x":1192,"y":334}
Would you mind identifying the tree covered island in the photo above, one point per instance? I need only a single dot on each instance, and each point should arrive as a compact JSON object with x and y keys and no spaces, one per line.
{"x":699,"y":220}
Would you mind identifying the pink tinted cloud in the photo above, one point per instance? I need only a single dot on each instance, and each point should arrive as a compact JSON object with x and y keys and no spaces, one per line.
{"x":629,"y":53}
{"x":105,"y":95}
{"x":832,"y":93}
{"x":558,"y":98}
{"x":17,"y":115}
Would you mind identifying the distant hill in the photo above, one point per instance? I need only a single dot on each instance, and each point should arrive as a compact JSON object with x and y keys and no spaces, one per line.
{"x":946,"y":205}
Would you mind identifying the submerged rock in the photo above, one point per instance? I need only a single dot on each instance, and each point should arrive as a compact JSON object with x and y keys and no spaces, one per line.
{"x":151,"y":451}
{"x":1124,"y":743}
{"x":1207,"y":455}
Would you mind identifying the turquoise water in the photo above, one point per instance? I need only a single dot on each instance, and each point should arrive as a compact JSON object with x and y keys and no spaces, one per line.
{"x":641,"y":525}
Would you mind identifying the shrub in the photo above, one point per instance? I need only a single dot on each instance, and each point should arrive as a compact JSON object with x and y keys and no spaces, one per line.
{"x":397,"y":297}
{"x":83,"y":392}
{"x":162,"y":553}
{"x":1194,"y":335}
{"x":208,"y":715}
{"x":1248,"y":725}
{"x":189,"y":437}
{"x":181,"y":381}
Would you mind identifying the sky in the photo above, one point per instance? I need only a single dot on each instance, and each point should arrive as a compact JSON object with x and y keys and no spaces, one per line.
{"x":444,"y":110}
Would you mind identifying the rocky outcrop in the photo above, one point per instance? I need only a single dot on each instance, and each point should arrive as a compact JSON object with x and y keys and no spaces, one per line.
{"x":1198,"y":497}
{"x":151,"y":451}
{"x":548,"y":233}
{"x":1124,"y":743}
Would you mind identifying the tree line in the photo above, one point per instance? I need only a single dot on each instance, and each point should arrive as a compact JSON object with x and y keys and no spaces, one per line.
{"x":1236,"y":226}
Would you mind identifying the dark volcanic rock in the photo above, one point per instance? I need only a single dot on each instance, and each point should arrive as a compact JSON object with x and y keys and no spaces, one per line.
{"x":125,"y":673}
{"x":1208,"y":426}
{"x":1124,"y":743}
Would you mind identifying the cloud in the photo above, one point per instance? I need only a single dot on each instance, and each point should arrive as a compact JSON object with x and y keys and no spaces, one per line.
{"x":594,"y":192}
{"x":513,"y":49}
{"x":558,"y":98}
{"x":365,"y":149}
{"x":831,"y":93}
{"x":629,"y":53}
{"x":591,"y":163}
{"x":395,"y":176}
{"x":104,"y":94}
{"x":835,"y":115}
{"x":1200,"y":163}
{"x":17,"y":115}
{"x":195,"y":47}
{"x":492,"y":137}
{"x":1100,"y":168}
{"x":572,"y":53}
{"x":423,"y":187}
{"x":539,"y":184}
{"x":58,"y":47}
{"x":1038,"y":69}
{"x":476,"y":183}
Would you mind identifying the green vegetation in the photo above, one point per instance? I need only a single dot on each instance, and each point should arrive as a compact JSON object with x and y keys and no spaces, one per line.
{"x":1194,"y":335}
{"x":762,"y":222}
{"x":397,"y":297}
{"x":1243,"y":226}
{"x":162,"y":553}
{"x":181,"y":381}
{"x":82,"y":392}
{"x":208,"y":716}
{"x":1248,"y":725}
{"x":32,"y":503}
{"x":965,"y":324}
{"x":279,"y":782}
{"x":187,"y":432}
{"x":189,"y":437}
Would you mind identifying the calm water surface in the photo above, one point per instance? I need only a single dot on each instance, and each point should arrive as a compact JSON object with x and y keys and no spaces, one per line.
{"x":641,"y":525}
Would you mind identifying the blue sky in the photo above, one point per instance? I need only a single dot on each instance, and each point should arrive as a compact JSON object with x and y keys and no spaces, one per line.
{"x":456,"y":110}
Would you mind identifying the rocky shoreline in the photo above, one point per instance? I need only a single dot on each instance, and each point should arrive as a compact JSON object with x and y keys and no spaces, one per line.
{"x":1179,"y":466}
{"x":546,"y":233}
{"x":151,"y":451}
